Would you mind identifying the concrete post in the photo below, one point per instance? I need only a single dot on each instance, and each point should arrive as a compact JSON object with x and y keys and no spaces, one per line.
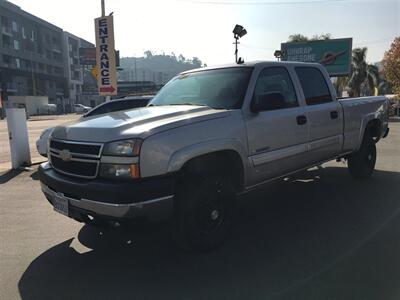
{"x":18,"y":137}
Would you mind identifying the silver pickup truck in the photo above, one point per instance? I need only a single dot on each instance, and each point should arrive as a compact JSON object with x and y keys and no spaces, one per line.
{"x":208,"y":136}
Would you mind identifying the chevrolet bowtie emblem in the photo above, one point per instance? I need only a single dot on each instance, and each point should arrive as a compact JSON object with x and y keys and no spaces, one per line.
{"x":65,"y":155}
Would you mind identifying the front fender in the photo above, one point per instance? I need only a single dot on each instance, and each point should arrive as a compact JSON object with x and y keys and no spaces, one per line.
{"x":183,"y":155}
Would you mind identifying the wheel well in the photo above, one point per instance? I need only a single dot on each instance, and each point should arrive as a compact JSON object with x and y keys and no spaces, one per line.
{"x":373,"y":129}
{"x":225,"y":162}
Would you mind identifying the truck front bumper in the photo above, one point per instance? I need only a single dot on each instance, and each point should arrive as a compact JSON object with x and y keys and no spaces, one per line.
{"x":150,"y":199}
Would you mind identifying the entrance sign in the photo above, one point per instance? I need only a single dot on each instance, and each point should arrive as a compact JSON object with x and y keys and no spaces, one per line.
{"x":105,"y":56}
{"x":334,"y":54}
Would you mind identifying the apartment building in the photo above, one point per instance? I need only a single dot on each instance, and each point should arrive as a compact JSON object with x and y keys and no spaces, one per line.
{"x":75,"y":71}
{"x":31,"y":55}
{"x":40,"y":59}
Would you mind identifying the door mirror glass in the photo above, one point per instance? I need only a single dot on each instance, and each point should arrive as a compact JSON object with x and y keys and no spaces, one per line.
{"x":269,"y":101}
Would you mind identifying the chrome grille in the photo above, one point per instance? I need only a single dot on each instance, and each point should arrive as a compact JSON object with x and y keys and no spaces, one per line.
{"x":75,"y":158}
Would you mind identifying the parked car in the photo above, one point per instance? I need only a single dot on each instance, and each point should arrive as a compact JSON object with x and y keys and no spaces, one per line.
{"x":41,"y":143}
{"x":49,"y":109}
{"x":106,"y":107}
{"x":119,"y":104}
{"x":81,"y":109}
{"x":208,"y":135}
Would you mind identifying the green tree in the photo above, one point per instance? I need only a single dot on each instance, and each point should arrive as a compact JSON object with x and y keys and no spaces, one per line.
{"x":196,"y":62}
{"x":181,"y":58}
{"x":341,"y":84}
{"x":298,"y":37}
{"x":293,"y":38}
{"x":148,"y":54}
{"x":391,"y":65}
{"x":383,"y":86}
{"x":362,"y":73}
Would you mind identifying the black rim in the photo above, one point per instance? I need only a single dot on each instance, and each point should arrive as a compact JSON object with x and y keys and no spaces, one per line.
{"x":370,"y":157}
{"x":211,"y":214}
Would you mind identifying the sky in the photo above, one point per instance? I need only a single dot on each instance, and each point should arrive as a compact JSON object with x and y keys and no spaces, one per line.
{"x":203,"y":28}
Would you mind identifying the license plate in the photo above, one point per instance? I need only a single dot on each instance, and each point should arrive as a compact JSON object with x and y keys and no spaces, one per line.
{"x":60,"y":205}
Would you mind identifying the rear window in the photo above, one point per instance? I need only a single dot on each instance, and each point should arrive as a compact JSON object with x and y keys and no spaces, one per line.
{"x":314,"y":86}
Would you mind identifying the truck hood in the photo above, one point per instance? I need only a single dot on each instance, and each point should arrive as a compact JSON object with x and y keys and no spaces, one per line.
{"x":140,"y":123}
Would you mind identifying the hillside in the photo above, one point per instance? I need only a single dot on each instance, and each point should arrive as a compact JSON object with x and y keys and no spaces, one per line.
{"x":158,"y":68}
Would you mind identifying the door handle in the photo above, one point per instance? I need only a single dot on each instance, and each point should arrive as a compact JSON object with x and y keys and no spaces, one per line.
{"x":334,"y":114}
{"x":301,"y":120}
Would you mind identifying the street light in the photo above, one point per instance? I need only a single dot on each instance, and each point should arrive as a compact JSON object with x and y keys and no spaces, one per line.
{"x":238,"y":32}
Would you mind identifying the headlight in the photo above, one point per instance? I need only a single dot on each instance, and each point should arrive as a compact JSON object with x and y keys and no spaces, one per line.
{"x":123,"y":148}
{"x":119,"y":171}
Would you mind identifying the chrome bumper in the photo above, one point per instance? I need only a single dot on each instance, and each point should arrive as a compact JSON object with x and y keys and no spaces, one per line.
{"x":154,"y":209}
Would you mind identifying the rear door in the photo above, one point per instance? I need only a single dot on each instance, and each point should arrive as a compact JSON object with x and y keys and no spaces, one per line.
{"x":277,"y":138}
{"x":325,"y":115}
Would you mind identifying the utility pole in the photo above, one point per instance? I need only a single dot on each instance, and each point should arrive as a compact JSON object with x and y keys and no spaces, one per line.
{"x":135,"y":69}
{"x":238,"y":32}
{"x":236,"y":48}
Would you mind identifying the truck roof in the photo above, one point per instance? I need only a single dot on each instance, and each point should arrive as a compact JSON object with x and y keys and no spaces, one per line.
{"x":253,"y":64}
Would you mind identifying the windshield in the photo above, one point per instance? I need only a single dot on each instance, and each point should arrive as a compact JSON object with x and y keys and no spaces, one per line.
{"x":219,"y":88}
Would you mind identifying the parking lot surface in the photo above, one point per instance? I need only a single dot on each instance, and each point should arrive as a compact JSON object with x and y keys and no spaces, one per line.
{"x":35,"y":127}
{"x":317,"y":235}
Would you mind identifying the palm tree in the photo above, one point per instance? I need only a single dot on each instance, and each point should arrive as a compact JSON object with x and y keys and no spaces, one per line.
{"x":383,"y":86}
{"x":362,"y":72}
{"x":341,"y":85}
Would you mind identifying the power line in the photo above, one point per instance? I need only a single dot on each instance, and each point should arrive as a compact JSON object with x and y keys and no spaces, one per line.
{"x":263,"y":2}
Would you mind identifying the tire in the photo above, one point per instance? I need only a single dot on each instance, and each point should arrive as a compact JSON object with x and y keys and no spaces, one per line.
{"x":362,"y":164}
{"x":204,"y":212}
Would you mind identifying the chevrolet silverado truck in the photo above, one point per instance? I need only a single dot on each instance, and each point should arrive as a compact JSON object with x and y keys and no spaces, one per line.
{"x":208,"y":136}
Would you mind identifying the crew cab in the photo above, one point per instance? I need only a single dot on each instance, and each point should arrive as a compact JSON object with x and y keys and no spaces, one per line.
{"x":208,"y":136}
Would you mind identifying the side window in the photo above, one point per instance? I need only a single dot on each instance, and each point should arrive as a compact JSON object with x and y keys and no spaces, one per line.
{"x":314,"y":86}
{"x":272,"y":81}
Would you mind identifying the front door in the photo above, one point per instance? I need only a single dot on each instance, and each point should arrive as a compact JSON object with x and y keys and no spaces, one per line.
{"x":278,"y":136}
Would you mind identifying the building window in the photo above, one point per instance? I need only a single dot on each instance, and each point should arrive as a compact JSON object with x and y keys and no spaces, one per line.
{"x":6,"y":60}
{"x":18,"y":63}
{"x":23,"y":32}
{"x":6,"y":41}
{"x":57,"y":71}
{"x":16,"y":45}
{"x":14,"y":26}
{"x":33,"y":36}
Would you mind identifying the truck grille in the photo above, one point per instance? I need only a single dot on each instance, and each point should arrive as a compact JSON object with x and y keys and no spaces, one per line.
{"x":75,"y":158}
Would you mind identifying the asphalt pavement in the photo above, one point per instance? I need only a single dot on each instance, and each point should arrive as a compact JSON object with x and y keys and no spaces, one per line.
{"x":317,"y":235}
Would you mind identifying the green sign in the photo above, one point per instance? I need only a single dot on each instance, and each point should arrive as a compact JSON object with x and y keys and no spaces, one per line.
{"x":334,"y":54}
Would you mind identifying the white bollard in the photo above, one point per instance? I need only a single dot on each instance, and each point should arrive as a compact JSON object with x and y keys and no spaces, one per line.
{"x":18,"y":137}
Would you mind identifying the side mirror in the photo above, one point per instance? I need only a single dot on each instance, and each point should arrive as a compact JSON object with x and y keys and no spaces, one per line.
{"x":270,"y":101}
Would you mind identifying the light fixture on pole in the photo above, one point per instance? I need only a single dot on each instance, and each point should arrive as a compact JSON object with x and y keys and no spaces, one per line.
{"x":278,"y":54}
{"x":238,"y":32}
